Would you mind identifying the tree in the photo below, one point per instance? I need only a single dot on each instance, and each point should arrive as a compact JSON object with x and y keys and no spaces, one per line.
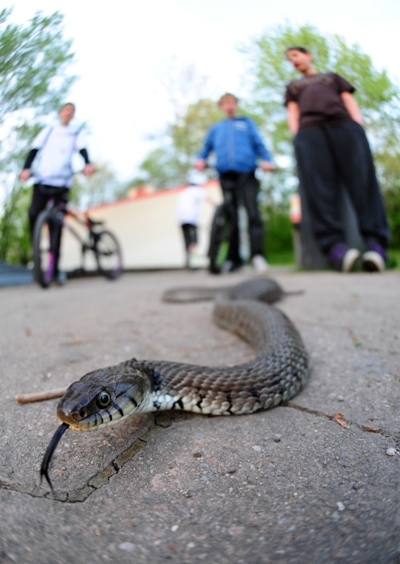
{"x":378,"y":96}
{"x":191,"y":113}
{"x":33,"y":79}
{"x":169,"y":164}
{"x":187,"y":134}
{"x":14,"y":227}
{"x":34,"y":58}
{"x":101,"y":187}
{"x":269,"y":72}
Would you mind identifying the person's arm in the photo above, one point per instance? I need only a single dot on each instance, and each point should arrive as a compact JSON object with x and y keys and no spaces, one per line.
{"x":293,"y":117}
{"x":351,"y":106}
{"x":80,"y":146}
{"x":88,"y":168}
{"x":208,"y":146}
{"x":37,"y":144}
{"x":260,"y":148}
{"x":26,"y":171}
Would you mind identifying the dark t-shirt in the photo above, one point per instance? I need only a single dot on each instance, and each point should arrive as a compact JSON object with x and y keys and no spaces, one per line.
{"x":318,"y":97}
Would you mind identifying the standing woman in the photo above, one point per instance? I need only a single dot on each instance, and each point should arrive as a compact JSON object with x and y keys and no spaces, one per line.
{"x":54,"y":148}
{"x":331,"y":149}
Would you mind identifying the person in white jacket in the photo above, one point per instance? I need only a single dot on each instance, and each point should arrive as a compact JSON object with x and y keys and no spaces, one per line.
{"x":52,"y":150}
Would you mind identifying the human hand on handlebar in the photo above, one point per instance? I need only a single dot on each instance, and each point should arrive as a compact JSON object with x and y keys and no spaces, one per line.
{"x":200,"y":164}
{"x":267,"y":166}
{"x":88,"y":169}
{"x":25,"y":174}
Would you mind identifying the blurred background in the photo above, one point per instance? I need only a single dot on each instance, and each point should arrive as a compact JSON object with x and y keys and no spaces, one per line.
{"x":145,"y":80}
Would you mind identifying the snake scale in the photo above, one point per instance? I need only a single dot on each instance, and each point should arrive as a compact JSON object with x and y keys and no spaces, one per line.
{"x":278,"y":371}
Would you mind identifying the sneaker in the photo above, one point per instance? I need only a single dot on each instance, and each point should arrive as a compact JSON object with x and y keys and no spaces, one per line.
{"x":342,"y":258}
{"x":374,"y":259}
{"x":60,"y":278}
{"x":260,"y":264}
{"x":229,"y":266}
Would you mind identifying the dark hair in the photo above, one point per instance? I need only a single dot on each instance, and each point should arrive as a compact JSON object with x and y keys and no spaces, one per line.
{"x":67,"y":104}
{"x":297,"y":48}
{"x":228,"y":95}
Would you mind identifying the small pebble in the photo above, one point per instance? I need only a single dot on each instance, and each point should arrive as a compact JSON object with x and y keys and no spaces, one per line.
{"x":174,"y":528}
{"x":340,"y":398}
{"x":391,"y":451}
{"x":257,"y":448}
{"x":128,"y":546}
{"x":335,"y":516}
{"x":340,"y":506}
{"x":276,"y":438}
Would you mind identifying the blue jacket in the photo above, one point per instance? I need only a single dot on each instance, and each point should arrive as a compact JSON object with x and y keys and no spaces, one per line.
{"x":236,"y":143}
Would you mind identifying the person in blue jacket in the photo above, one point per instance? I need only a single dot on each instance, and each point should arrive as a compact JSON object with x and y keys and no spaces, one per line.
{"x":238,"y":149}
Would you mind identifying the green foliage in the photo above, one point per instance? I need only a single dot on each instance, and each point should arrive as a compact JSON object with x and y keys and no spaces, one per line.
{"x":188,"y":132}
{"x":269,"y":72}
{"x":97,"y":189}
{"x":169,"y":164}
{"x":14,"y":228}
{"x":278,"y":233}
{"x":164,"y":168}
{"x":33,"y":61}
{"x":33,"y":80}
{"x":278,"y":230}
{"x":388,"y":164}
{"x":377,"y":95}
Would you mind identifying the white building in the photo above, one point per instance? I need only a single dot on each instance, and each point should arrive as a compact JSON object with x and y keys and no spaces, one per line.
{"x":146,"y":227}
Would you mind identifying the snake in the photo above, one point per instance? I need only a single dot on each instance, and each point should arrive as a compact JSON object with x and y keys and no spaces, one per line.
{"x":278,"y":371}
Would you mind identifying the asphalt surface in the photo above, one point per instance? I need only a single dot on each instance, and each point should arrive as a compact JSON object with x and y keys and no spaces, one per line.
{"x":295,"y":484}
{"x":14,"y":275}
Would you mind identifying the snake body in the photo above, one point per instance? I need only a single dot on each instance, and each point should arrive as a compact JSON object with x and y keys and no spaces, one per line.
{"x":278,"y":371}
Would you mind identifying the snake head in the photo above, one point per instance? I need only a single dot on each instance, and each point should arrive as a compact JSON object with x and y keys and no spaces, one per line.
{"x":104,"y":397}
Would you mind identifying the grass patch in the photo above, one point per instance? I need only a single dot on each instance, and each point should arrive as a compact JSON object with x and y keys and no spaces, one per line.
{"x":393,"y":259}
{"x":281,"y":258}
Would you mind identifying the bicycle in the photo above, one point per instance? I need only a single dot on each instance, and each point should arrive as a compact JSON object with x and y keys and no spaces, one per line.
{"x":46,"y":237}
{"x":222,"y":230}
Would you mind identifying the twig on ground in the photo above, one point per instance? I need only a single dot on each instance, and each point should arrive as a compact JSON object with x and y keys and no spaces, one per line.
{"x":40,"y":396}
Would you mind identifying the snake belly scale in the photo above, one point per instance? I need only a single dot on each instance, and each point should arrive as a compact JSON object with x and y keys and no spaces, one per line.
{"x":278,"y":371}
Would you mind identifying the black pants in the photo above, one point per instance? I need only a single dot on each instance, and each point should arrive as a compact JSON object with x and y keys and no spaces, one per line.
{"x":243,"y":187}
{"x":189,"y":234}
{"x":331,"y":155}
{"x":40,"y":197}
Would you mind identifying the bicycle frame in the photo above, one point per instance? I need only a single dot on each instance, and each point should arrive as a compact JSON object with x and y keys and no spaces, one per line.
{"x":47,"y":238}
{"x":56,"y":209}
{"x":88,"y":223}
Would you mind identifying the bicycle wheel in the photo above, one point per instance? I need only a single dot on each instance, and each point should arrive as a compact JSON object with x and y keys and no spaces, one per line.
{"x":108,"y":254}
{"x":219,"y":238}
{"x":44,"y":249}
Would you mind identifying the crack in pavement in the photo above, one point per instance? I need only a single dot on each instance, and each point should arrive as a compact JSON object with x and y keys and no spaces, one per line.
{"x":94,"y":483}
{"x":102,"y":478}
{"x":377,"y":431}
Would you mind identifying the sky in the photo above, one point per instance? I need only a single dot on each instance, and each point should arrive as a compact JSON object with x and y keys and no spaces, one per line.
{"x":126,"y":51}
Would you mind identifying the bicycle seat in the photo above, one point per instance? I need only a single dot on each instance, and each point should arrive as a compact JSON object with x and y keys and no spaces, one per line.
{"x":93,"y":222}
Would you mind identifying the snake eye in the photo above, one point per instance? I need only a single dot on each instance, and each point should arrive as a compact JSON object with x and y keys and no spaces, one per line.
{"x":103,"y":399}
